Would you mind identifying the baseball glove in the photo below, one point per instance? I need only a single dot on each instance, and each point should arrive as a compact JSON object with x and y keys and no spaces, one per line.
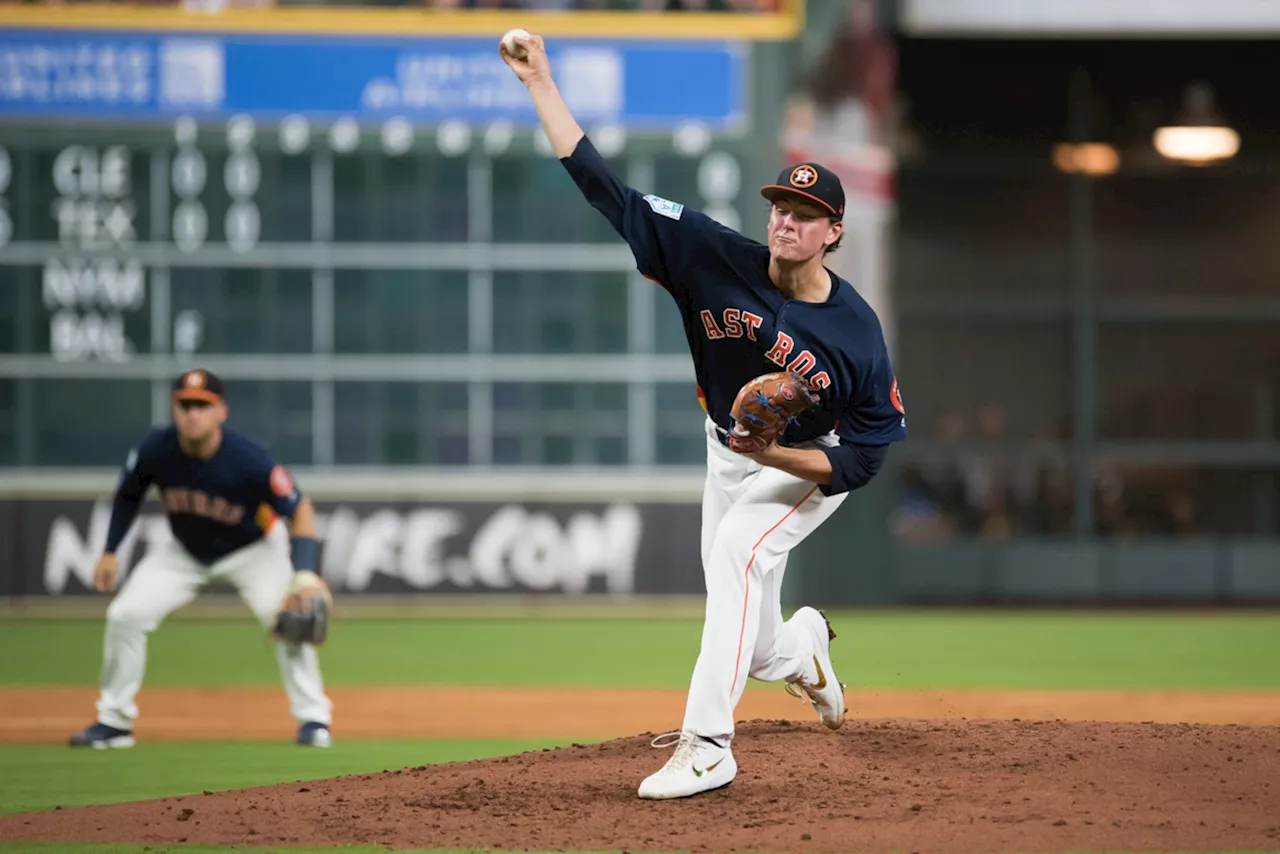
{"x":763,"y":409}
{"x":304,"y":614}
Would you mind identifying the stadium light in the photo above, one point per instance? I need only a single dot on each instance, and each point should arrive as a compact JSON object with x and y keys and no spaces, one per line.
{"x":1086,"y":158}
{"x":1200,"y":137}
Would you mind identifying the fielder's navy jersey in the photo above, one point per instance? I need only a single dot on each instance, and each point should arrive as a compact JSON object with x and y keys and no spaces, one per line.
{"x":739,"y":325}
{"x":214,"y":506}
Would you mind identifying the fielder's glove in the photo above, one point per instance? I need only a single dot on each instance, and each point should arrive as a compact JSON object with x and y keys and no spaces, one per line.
{"x":763,"y":409}
{"x":304,"y":614}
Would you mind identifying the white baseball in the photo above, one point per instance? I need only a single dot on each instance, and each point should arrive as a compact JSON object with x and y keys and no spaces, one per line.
{"x":509,"y":42}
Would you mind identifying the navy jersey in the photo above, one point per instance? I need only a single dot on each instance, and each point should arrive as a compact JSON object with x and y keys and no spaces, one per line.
{"x":214,"y":506}
{"x":739,"y":325}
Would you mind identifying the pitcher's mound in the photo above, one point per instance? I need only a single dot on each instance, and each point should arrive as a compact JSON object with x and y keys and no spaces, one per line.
{"x":954,"y":786}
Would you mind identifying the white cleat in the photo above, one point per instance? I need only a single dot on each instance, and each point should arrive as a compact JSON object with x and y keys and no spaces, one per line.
{"x":696,"y":766}
{"x":826,"y":693}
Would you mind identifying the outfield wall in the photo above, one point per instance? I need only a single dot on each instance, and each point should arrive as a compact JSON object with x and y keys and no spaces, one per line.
{"x":470,"y":538}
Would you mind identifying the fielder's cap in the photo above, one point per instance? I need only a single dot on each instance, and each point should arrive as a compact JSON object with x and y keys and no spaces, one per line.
{"x":197,"y":384}
{"x":812,"y":181}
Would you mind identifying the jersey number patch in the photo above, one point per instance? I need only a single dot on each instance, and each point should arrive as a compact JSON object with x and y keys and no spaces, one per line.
{"x":664,"y":206}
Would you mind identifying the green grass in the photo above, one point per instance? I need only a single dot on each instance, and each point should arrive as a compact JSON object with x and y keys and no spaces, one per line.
{"x":1068,"y":651}
{"x":39,"y":776}
{"x":874,"y":649}
{"x":91,"y":848}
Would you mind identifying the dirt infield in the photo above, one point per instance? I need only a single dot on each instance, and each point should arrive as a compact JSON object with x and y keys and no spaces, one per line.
{"x":911,"y":771}
{"x":51,"y":714}
{"x":875,"y":786}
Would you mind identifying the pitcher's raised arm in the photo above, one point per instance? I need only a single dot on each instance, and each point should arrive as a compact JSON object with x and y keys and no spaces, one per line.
{"x":662,"y":234}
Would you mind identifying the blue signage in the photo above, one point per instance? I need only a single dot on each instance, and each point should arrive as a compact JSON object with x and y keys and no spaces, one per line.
{"x":140,"y":76}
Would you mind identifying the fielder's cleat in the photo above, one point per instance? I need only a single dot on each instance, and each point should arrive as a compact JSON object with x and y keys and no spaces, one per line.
{"x":312,"y":734}
{"x":698,"y":765}
{"x":102,"y":737}
{"x":825,"y":692}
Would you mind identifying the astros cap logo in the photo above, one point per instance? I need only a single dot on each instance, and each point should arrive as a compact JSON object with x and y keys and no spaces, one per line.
{"x":804,"y":176}
{"x":195,"y":379}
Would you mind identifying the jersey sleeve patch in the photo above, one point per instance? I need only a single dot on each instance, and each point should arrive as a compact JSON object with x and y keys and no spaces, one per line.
{"x":665,"y":207}
{"x":281,"y":482}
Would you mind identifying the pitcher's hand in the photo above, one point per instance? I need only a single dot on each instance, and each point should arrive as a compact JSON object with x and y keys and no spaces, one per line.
{"x":533,"y":66}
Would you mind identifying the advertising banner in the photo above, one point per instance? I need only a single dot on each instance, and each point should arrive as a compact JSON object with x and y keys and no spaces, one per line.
{"x":122,"y":76}
{"x":612,"y":548}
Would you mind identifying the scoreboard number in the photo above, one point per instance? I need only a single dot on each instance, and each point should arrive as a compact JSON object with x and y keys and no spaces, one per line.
{"x":242,"y":175}
{"x":243,"y":225}
{"x":190,"y":226}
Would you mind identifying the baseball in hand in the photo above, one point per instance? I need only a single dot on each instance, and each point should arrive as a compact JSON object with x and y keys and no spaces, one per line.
{"x":515,"y":49}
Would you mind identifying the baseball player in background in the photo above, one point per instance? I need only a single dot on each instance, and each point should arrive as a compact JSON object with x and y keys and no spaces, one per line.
{"x":751,"y":312}
{"x":221,"y":493}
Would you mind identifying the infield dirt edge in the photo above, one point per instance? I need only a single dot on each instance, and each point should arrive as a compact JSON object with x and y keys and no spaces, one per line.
{"x":36,"y":715}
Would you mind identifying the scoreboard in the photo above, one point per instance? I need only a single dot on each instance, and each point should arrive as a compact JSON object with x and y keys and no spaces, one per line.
{"x":107,"y":234}
{"x":373,"y":294}
{"x":362,"y":230}
{"x":92,"y":218}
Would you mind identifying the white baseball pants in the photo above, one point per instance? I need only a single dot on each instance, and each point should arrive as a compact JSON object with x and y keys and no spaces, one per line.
{"x":752,"y":517}
{"x":166,"y":579}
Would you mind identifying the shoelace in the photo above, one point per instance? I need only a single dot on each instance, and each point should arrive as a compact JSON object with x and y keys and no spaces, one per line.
{"x":795,"y":690}
{"x":685,"y":747}
{"x":672,"y":738}
{"x":801,"y":693}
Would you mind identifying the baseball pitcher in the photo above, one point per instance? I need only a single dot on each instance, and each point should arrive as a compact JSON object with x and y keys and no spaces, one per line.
{"x":221,"y":492}
{"x":802,"y":404}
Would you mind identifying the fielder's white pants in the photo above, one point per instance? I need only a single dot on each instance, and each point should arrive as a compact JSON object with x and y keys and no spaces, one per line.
{"x":752,"y":517}
{"x":168,"y":578}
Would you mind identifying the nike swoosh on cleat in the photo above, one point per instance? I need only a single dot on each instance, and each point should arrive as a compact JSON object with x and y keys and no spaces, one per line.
{"x":698,"y":773}
{"x":822,"y":677}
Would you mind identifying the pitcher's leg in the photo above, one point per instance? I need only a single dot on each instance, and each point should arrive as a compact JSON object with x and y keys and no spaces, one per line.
{"x":782,"y":650}
{"x":776,"y":512}
{"x":164,"y":581}
{"x":752,"y":517}
{"x":728,"y":638}
{"x":728,"y":476}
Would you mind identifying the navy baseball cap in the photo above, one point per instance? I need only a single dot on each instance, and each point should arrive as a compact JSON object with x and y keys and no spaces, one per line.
{"x":197,"y":384}
{"x":814,"y":182}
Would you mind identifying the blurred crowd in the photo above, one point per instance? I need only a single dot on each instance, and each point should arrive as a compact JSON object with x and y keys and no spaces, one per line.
{"x":740,"y":6}
{"x":969,"y":489}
